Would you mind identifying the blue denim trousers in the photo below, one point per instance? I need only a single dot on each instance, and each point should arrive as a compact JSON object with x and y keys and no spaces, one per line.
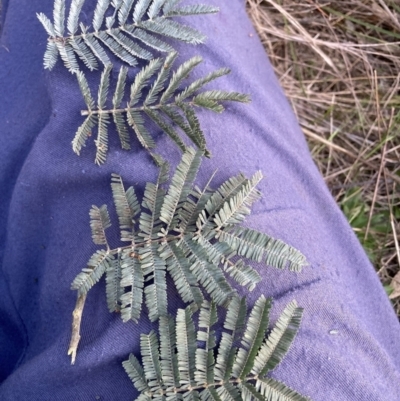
{"x":348,"y":346}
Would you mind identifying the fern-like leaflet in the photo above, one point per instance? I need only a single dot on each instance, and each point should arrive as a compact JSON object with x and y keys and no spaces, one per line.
{"x":165,"y":103}
{"x":191,"y":234}
{"x":118,"y":25}
{"x":179,"y":369}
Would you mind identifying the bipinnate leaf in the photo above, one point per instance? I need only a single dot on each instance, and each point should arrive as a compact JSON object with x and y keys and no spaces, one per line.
{"x":73,"y":17}
{"x":149,"y":347}
{"x":127,"y":206}
{"x":253,"y":337}
{"x":209,"y":275}
{"x":99,"y":222}
{"x":184,"y":367}
{"x":161,"y":79}
{"x":279,"y":340}
{"x":154,"y":96}
{"x":235,"y":209}
{"x":243,"y":274}
{"x":85,"y":90}
{"x":260,"y":247}
{"x":50,"y":56}
{"x":192,"y":10}
{"x":130,"y":29}
{"x":181,"y":184}
{"x":134,"y":370}
{"x":132,"y":282}
{"x":193,"y":206}
{"x":186,"y":347}
{"x":182,"y":232}
{"x":179,"y":269}
{"x":169,"y":361}
{"x":234,"y":322}
{"x":90,"y":275}
{"x":272,"y":390}
{"x":223,"y":194}
{"x":153,"y":199}
{"x":154,"y":267}
{"x":212,"y":99}
{"x":113,"y":283}
{"x":205,"y":361}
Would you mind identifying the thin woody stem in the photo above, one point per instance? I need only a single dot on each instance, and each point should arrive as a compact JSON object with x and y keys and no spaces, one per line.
{"x":115,"y":111}
{"x":202,"y":387}
{"x":125,"y":28}
{"x":157,"y":241}
{"x":125,"y":110}
{"x":76,"y":326}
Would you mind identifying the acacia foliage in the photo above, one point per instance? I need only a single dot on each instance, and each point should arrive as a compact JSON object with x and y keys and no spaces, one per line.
{"x":191,"y":234}
{"x":157,"y":94}
{"x":129,"y":29}
{"x":180,"y":365}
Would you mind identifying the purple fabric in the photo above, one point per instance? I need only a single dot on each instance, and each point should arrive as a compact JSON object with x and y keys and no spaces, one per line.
{"x":348,"y":347}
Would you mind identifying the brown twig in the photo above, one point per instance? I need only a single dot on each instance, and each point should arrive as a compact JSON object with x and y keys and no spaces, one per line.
{"x":76,"y":327}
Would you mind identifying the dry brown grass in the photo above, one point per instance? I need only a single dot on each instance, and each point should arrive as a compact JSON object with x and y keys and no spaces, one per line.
{"x":339,"y":64}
